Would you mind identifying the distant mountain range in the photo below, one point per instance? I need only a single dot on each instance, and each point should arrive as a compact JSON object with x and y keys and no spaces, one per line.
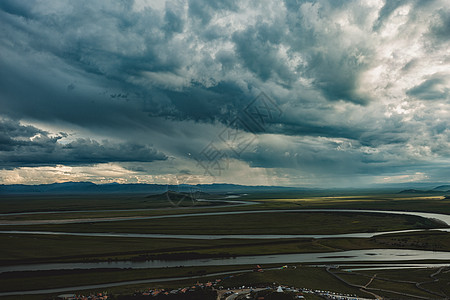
{"x":215,"y":188}
{"x":92,"y":188}
{"x":437,"y":190}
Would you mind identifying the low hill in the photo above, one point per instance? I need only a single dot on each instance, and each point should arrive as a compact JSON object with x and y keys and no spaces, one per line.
{"x":174,"y":196}
{"x":442,"y":188}
{"x":423,"y":192}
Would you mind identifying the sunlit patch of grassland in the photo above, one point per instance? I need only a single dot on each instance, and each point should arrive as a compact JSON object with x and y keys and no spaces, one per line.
{"x":344,"y":199}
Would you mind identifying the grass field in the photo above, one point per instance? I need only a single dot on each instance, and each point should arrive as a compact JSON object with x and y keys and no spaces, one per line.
{"x":255,"y":223}
{"x":53,"y":279}
{"x":19,"y":249}
{"x":38,"y":203}
{"x":25,"y":248}
{"x":435,"y":203}
{"x":412,"y":281}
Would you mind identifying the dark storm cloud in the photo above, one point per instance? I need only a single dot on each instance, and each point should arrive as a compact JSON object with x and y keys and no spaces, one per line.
{"x":444,"y":30}
{"x":173,"y":23}
{"x":111,"y":45}
{"x":28,"y":146}
{"x":10,"y":130}
{"x":204,"y":10}
{"x":388,"y":8}
{"x":258,"y":47}
{"x":333,"y":157}
{"x":441,"y":30}
{"x":350,"y":77}
{"x":433,"y":88}
{"x":336,"y":76}
{"x":333,"y":59}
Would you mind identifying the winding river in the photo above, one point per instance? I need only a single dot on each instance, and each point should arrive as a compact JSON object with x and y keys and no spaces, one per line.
{"x":217,"y":236}
{"x":372,"y":255}
{"x":444,"y":219}
{"x":403,"y":257}
{"x":355,"y":255}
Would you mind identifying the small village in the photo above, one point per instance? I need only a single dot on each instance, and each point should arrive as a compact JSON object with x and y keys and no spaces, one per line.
{"x":213,"y":290}
{"x":96,"y":296}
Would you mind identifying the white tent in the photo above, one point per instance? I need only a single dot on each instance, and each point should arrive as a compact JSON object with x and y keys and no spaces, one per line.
{"x":280,"y":289}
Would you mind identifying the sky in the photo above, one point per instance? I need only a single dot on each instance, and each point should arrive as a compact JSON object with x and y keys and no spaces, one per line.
{"x":290,"y":93}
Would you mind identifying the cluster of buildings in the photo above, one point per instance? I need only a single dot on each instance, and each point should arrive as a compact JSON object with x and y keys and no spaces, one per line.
{"x":195,"y":288}
{"x":334,"y":296}
{"x":296,"y":293}
{"x":98,"y":296}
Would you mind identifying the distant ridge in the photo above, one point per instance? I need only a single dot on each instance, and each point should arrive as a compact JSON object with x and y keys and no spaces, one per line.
{"x":92,"y":188}
{"x":67,"y":188}
{"x":442,"y":188}
{"x":428,"y":192}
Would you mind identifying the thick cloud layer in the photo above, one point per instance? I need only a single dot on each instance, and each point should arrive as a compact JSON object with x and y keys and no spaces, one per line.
{"x":359,"y":90}
{"x":28,"y":146}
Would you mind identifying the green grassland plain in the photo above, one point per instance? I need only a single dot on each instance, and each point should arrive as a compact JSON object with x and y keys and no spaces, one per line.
{"x":252,"y":223}
{"x":24,"y":248}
